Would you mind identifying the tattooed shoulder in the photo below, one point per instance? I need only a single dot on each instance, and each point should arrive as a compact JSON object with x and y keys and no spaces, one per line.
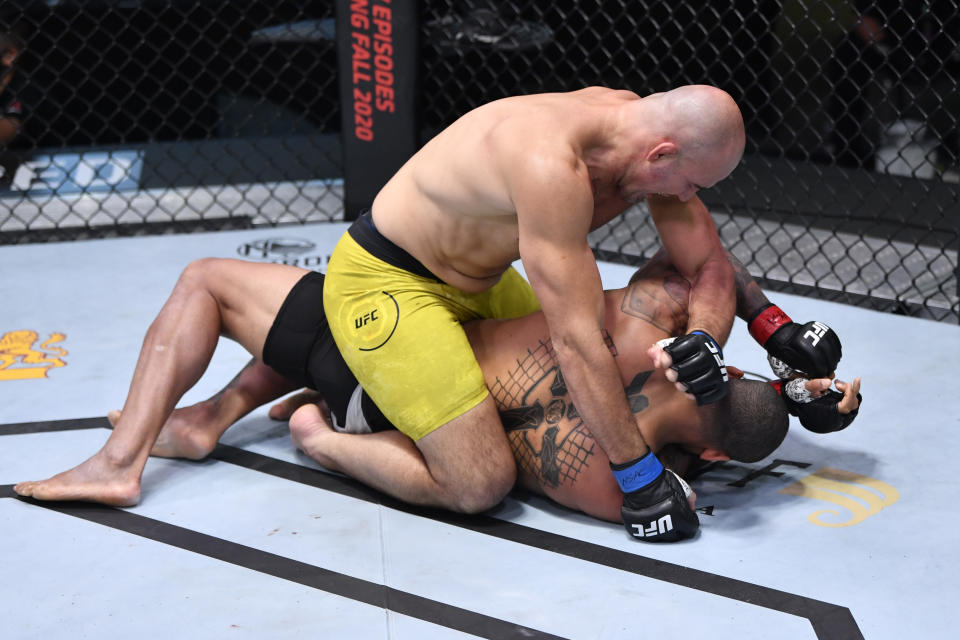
{"x":661,"y":301}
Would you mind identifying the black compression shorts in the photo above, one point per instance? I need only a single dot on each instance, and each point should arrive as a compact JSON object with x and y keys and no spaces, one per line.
{"x":300,"y":347}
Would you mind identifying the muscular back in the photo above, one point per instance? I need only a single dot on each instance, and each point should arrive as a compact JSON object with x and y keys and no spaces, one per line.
{"x":556,"y":455}
{"x":451,"y":205}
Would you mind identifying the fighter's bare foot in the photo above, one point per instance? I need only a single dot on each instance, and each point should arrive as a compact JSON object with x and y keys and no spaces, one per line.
{"x":310,"y":426}
{"x":95,"y":480}
{"x":190,"y":432}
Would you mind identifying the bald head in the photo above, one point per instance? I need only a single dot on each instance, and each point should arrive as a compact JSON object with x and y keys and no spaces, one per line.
{"x":705,"y":123}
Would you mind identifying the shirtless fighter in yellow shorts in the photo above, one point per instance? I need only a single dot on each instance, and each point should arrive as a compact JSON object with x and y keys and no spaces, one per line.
{"x":527,"y":177}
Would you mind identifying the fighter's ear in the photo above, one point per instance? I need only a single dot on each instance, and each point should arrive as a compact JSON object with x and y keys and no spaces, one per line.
{"x":714,"y":455}
{"x":663,"y":151}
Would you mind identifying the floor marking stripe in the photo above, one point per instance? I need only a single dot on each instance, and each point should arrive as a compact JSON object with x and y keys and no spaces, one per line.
{"x":370,"y":593}
{"x":22,"y":428}
{"x":829,"y":621}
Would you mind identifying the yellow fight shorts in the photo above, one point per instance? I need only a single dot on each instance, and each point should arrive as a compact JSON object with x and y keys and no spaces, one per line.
{"x":399,"y":328}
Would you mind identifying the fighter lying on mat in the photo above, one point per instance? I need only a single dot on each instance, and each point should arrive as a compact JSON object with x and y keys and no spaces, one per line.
{"x":555,"y":452}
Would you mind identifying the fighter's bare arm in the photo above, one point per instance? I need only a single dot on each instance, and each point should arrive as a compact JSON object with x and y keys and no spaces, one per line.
{"x":663,"y":302}
{"x":690,"y":238}
{"x":750,"y":297}
{"x":555,"y":451}
{"x":554,"y":203}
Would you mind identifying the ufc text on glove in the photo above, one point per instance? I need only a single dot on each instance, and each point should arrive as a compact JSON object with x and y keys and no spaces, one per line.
{"x":812,"y":348}
{"x":655,"y":507}
{"x":698,"y":361}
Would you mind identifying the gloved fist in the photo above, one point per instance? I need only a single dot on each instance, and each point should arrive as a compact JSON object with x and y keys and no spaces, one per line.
{"x":812,"y":348}
{"x":698,"y":361}
{"x":819,"y":414}
{"x":655,"y":507}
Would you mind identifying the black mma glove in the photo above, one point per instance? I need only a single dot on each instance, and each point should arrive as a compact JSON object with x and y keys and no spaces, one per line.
{"x":812,"y":348}
{"x":655,"y":508}
{"x":698,"y":361}
{"x":819,"y":415}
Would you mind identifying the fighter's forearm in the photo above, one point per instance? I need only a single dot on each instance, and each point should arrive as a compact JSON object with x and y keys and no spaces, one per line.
{"x":690,"y":237}
{"x":565,"y":278}
{"x":712,"y":298}
{"x":750,"y":298}
{"x":594,"y":384}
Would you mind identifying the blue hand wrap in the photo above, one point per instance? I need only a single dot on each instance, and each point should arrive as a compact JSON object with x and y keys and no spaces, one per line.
{"x":710,"y":338}
{"x":637,"y":474}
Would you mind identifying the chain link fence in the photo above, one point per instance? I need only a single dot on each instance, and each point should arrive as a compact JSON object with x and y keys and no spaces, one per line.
{"x":848,"y":188}
{"x":159,"y":116}
{"x":175,"y":115}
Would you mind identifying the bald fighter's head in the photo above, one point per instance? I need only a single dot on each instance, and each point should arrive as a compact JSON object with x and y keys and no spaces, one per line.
{"x":707,"y":126}
{"x":690,"y":138}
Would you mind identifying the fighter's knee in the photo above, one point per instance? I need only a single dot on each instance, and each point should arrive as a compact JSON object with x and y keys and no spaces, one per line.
{"x":470,"y":460}
{"x":202,"y":274}
{"x":199,"y":270}
{"x":478,"y":501}
{"x":485,"y":492}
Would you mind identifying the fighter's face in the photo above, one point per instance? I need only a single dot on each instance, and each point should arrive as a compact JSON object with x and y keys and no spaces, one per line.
{"x":674,"y":176}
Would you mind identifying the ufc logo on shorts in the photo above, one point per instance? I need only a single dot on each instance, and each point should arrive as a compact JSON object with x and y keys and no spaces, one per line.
{"x":818,"y":331}
{"x":657,"y":527}
{"x":360,"y":321}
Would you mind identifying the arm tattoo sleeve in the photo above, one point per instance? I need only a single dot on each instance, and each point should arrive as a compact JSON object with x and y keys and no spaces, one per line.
{"x":749,"y":295}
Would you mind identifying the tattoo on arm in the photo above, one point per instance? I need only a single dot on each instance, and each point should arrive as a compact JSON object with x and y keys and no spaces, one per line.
{"x":749,"y":295}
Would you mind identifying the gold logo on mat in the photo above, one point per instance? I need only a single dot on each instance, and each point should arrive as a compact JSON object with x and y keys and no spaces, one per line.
{"x":859,"y":495}
{"x":19,"y":360}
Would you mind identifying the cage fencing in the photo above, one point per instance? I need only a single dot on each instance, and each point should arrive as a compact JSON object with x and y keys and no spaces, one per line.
{"x":170,"y":115}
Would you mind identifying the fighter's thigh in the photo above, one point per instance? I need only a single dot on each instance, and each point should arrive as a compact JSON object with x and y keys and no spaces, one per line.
{"x":470,"y":452}
{"x":418,"y":366}
{"x":248,"y":294}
